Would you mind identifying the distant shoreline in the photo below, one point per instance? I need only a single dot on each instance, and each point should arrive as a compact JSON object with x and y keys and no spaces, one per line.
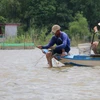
{"x":16,"y":45}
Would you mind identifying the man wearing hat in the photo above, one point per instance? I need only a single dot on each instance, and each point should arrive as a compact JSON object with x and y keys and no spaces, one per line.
{"x":62,"y":42}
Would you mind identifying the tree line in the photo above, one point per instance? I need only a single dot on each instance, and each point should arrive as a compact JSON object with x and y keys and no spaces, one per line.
{"x":69,"y":14}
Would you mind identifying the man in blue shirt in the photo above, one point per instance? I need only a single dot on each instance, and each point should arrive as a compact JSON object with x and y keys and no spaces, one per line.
{"x":62,"y":42}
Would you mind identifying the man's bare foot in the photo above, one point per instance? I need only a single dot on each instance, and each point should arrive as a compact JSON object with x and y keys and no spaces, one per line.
{"x":64,"y":54}
{"x":49,"y":66}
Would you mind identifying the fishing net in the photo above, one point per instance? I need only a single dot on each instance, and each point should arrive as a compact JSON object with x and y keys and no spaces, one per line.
{"x":84,"y":49}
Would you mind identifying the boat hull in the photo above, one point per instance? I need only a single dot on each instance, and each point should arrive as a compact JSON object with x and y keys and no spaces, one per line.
{"x":91,"y":61}
{"x":79,"y":60}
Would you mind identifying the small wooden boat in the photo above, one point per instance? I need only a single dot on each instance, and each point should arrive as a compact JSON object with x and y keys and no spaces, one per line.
{"x":79,"y":60}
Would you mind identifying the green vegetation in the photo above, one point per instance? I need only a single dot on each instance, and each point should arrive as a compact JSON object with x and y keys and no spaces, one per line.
{"x":77,"y":31}
{"x":76,"y":17}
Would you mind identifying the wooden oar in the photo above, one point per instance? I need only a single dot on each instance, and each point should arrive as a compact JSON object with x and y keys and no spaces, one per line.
{"x":92,"y":41}
{"x":93,"y":38}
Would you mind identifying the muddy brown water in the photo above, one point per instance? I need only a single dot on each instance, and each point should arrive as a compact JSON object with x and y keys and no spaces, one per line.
{"x":24,"y":75}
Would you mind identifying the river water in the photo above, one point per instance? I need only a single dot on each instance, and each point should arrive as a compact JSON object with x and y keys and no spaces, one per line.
{"x":24,"y":75}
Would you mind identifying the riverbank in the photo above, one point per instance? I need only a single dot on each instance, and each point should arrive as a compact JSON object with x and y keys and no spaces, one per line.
{"x":17,"y":46}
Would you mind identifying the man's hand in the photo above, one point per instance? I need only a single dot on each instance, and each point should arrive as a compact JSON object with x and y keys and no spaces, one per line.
{"x":39,"y":46}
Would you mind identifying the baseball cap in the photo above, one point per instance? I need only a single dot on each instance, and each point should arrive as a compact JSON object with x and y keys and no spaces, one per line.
{"x":55,"y":28}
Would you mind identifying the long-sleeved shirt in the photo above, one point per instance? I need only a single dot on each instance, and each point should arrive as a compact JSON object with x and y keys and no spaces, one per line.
{"x":54,"y":40}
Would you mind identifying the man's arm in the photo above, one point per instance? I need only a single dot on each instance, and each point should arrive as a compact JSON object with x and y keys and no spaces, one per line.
{"x":51,"y":43}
